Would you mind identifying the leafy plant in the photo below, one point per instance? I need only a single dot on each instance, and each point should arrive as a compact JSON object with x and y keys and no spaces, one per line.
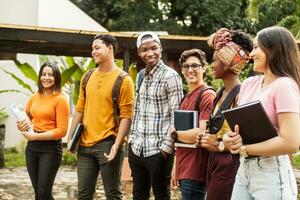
{"x":3,"y":114}
{"x":28,"y":71}
{"x":69,"y":158}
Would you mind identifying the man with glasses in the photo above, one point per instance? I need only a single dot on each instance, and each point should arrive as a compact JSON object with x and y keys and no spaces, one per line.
{"x":150,"y":148}
{"x":190,"y":171}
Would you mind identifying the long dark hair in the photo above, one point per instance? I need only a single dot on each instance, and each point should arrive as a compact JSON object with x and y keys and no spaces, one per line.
{"x":281,"y":50}
{"x":56,"y":75}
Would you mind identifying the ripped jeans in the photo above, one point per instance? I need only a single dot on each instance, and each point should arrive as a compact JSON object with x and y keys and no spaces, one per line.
{"x":265,"y":178}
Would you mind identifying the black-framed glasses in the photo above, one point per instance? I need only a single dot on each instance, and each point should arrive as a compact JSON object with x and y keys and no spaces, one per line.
{"x":194,"y":66}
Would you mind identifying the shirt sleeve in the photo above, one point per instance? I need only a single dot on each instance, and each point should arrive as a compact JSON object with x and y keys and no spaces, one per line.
{"x":206,"y":104}
{"x":289,"y":102}
{"x":28,"y":107}
{"x":62,"y":118}
{"x":126,"y":98}
{"x":175,"y":94}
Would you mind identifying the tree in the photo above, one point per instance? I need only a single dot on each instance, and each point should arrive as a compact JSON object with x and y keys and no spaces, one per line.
{"x":285,"y":13}
{"x":189,"y":17}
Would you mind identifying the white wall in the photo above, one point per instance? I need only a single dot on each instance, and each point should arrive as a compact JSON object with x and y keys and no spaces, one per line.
{"x":64,"y":14}
{"x":23,"y":12}
{"x":12,"y":136}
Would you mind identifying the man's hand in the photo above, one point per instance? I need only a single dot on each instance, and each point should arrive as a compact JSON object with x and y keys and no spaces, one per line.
{"x":174,"y":182}
{"x":164,"y":154}
{"x":113,"y":152}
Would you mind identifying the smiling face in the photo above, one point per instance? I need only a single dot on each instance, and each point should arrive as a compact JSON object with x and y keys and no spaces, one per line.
{"x":100,"y":51}
{"x":150,"y":53}
{"x":259,"y":57}
{"x":193,"y":70}
{"x":47,"y":78}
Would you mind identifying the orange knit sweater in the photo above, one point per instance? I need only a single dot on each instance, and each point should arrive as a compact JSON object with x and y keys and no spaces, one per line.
{"x":49,"y":113}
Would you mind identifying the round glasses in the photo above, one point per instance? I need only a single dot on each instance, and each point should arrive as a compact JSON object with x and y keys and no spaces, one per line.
{"x":193,"y":66}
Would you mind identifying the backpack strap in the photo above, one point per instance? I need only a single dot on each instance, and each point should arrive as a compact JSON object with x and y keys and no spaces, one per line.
{"x":115,"y":96}
{"x":85,"y":80}
{"x":140,"y":79}
{"x":216,"y":120}
{"x":199,"y":97}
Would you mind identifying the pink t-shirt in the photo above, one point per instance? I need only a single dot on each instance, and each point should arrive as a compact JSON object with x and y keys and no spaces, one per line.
{"x":282,"y":95}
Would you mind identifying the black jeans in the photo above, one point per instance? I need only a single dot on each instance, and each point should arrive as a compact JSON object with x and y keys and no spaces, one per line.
{"x":150,"y":171}
{"x":42,"y":168}
{"x":91,"y":160}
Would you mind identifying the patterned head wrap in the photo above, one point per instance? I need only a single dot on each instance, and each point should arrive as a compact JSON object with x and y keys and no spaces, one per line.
{"x":231,"y":54}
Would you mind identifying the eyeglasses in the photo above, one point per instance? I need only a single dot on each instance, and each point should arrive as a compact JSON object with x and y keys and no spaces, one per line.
{"x":194,"y":66}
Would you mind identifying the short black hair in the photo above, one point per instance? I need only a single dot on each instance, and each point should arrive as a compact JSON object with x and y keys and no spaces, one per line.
{"x":56,"y":75}
{"x":108,"y":40}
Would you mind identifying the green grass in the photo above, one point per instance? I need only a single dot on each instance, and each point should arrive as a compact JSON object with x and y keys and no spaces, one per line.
{"x":13,"y":158}
{"x":296,"y":161}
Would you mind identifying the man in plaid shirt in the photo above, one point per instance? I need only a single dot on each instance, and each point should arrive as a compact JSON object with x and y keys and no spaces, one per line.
{"x":158,"y":95}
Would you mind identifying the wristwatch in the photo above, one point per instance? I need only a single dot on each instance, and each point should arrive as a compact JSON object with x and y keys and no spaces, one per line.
{"x":243,"y":152}
{"x":221,"y":146}
{"x":174,"y":135}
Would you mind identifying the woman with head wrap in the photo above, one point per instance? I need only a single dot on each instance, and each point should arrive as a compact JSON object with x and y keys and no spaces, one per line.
{"x":265,"y":170}
{"x":230,"y":57}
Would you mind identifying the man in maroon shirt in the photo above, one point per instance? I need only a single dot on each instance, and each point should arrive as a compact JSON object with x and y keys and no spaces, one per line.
{"x":190,"y":171}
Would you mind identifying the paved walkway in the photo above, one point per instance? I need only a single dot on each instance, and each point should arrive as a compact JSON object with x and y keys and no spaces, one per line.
{"x":15,"y":185}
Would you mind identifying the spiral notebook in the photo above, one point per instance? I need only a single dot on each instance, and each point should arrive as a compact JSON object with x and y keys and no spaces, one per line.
{"x":255,"y":125}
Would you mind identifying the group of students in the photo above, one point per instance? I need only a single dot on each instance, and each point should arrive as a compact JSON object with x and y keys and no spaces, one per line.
{"x":222,"y":167}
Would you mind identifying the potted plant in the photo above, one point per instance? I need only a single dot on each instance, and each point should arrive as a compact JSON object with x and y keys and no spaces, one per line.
{"x":3,"y":115}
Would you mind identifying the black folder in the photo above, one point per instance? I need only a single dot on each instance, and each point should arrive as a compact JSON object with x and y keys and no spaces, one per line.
{"x":254,"y":123}
{"x":74,"y":141}
{"x":185,"y":120}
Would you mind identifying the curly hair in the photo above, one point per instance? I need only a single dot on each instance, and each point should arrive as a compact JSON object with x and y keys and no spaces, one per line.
{"x":242,"y":39}
{"x":193,"y":52}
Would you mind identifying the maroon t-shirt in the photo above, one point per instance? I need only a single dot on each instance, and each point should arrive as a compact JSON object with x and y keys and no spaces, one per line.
{"x":191,"y":163}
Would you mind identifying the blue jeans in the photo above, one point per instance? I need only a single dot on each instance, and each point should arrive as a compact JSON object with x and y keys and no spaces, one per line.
{"x":192,"y":190}
{"x":264,"y":178}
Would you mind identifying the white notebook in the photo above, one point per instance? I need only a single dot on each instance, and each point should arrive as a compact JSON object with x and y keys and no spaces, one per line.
{"x":19,"y":112}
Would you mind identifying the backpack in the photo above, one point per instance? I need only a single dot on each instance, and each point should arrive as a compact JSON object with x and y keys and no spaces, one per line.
{"x":198,"y":100}
{"x":115,"y":92}
{"x":216,"y":120}
{"x":140,"y":79}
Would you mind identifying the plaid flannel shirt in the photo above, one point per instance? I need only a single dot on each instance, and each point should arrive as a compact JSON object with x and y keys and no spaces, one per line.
{"x":159,"y":95}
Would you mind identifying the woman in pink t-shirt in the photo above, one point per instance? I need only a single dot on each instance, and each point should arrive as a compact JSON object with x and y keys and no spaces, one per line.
{"x":265,"y":170}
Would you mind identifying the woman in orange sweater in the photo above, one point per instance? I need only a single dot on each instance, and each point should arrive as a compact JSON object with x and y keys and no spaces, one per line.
{"x":48,"y":111}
